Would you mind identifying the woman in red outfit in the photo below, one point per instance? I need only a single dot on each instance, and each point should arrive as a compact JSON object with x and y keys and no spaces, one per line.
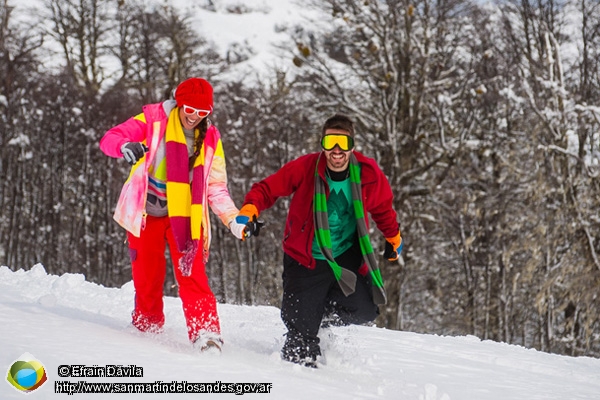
{"x":178,"y":172}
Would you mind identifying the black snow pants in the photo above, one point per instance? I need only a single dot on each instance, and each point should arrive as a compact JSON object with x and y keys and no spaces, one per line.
{"x":309,"y":295}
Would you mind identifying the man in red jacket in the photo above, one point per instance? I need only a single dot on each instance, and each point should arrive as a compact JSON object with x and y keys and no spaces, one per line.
{"x":330,"y":273}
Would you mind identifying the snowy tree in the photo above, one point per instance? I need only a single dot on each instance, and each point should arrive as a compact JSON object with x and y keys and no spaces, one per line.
{"x":400,"y":69}
{"x":484,"y":117}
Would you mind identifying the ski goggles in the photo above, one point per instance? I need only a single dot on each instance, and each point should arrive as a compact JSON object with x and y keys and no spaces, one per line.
{"x":191,"y":111}
{"x":344,"y":142}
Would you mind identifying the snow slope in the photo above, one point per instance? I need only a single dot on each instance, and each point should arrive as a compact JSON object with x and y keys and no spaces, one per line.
{"x":63,"y":320}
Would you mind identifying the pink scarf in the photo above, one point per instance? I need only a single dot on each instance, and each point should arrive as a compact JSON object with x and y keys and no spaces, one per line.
{"x":184,"y":201}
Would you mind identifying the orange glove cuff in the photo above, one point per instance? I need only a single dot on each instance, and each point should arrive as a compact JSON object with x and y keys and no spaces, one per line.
{"x":249,"y":210}
{"x":395,"y":241}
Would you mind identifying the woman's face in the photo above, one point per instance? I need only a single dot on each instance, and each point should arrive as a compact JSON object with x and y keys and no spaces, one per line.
{"x":190,"y":117}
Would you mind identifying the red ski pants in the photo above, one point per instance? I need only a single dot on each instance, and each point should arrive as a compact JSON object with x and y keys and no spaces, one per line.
{"x":148,"y":264}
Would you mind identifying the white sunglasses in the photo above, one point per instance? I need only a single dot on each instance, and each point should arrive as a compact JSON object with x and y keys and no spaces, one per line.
{"x":191,"y":111}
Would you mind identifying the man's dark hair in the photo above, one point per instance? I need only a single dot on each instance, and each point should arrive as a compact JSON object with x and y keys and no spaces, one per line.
{"x":339,"y":121}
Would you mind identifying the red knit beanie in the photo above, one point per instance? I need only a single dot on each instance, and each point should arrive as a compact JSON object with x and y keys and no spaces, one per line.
{"x":195,"y":92}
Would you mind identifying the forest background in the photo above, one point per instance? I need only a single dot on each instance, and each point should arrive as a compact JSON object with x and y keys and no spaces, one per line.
{"x":482,"y":115}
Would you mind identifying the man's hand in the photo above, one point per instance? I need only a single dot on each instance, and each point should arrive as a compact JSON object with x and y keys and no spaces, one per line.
{"x":248,"y":217}
{"x":253,"y":227}
{"x":247,"y":213}
{"x":393,"y":247}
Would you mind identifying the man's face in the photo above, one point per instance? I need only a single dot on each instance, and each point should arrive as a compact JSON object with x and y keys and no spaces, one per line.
{"x":337,"y":159}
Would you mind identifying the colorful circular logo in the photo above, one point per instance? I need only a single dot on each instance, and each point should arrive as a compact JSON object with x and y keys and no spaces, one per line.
{"x":26,"y":374}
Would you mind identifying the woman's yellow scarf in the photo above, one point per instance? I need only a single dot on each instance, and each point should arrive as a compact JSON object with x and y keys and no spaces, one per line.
{"x":184,"y":200}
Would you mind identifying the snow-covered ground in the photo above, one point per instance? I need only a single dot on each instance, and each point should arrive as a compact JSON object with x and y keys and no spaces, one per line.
{"x":65,"y":320}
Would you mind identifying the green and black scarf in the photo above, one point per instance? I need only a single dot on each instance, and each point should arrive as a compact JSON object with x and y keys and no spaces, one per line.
{"x":346,"y":278}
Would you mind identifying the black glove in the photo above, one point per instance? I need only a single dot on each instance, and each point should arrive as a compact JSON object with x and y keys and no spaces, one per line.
{"x":390,"y":253}
{"x":253,"y":227}
{"x":133,"y":151}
